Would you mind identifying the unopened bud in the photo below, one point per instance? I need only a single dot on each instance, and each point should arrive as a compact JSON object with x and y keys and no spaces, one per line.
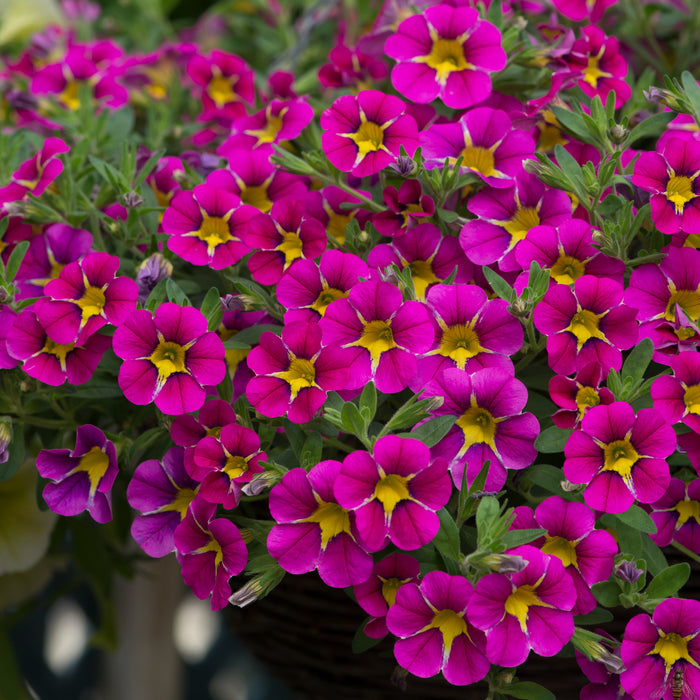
{"x":17,"y":208}
{"x":504,"y":563}
{"x":568,"y":487}
{"x":5,"y":439}
{"x":132,"y":200}
{"x":247,"y":594}
{"x":232,"y":302}
{"x":627,"y":571}
{"x":404,"y":166}
{"x":434,"y":403}
{"x":657,"y":95}
{"x":151,"y":271}
{"x":600,"y":238}
{"x":618,"y":133}
{"x":260,"y":483}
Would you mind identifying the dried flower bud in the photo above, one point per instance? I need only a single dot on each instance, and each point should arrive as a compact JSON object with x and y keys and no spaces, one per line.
{"x":232,"y":302}
{"x":151,"y":271}
{"x":247,"y":594}
{"x":404,"y":166}
{"x":260,"y":483}
{"x":504,"y":563}
{"x":132,"y":200}
{"x":657,"y":95}
{"x":627,"y":571}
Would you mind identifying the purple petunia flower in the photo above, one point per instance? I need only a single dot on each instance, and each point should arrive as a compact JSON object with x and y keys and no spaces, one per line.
{"x":530,"y":609}
{"x":394,"y":492}
{"x":434,"y":632}
{"x":313,"y":530}
{"x":620,"y":456}
{"x":82,"y":478}
{"x":168,"y":358}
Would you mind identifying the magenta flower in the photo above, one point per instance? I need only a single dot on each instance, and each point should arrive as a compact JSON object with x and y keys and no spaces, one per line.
{"x":473,"y":332}
{"x":364,"y":134}
{"x":656,"y":650}
{"x":490,"y":424}
{"x":50,"y":362}
{"x":378,"y":593}
{"x":505,"y":216}
{"x":527,"y":610}
{"x":671,"y":177}
{"x":187,"y":430}
{"x":224,"y":463}
{"x":677,"y":515}
{"x":206,"y":225}
{"x":576,"y":396}
{"x":586,"y":553}
{"x":394,"y":493}
{"x":485,"y":140}
{"x":384,"y":333}
{"x":430,"y":620}
{"x":326,"y":205}
{"x":677,"y":398}
{"x":407,"y":206}
{"x":568,"y":252}
{"x":33,"y":176}
{"x":313,"y":530}
{"x":603,"y":69}
{"x":430,"y":256}
{"x":294,"y":372}
{"x":211,"y":551}
{"x":311,"y":287}
{"x":7,"y":318}
{"x":445,"y":52}
{"x":279,"y":238}
{"x":82,"y":478}
{"x":579,"y":10}
{"x":85,"y":297}
{"x":351,"y":68}
{"x":226,"y":82}
{"x":620,"y":456}
{"x":162,"y":492}
{"x":586,"y":324}
{"x":168,"y":358}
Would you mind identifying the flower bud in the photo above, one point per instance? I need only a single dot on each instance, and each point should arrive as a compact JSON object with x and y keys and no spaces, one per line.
{"x":232,"y":302}
{"x":404,"y":166}
{"x":627,"y":571}
{"x":132,"y":200}
{"x":618,"y":133}
{"x":504,"y":563}
{"x":5,"y":438}
{"x":151,"y":271}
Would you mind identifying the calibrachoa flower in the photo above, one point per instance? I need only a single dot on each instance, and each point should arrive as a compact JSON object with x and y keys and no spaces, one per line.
{"x":7,"y":317}
{"x":658,"y":650}
{"x":620,"y":456}
{"x":378,"y":593}
{"x":294,"y":372}
{"x":384,"y":332}
{"x":313,"y":531}
{"x":505,"y":216}
{"x":206,"y":225}
{"x":530,"y":609}
{"x":586,"y":324}
{"x":677,"y":398}
{"x":326,"y":205}
{"x":586,"y":553}
{"x":85,"y":297}
{"x":578,"y":394}
{"x":364,"y":134}
{"x":434,"y":632}
{"x":578,"y":10}
{"x":485,"y":140}
{"x":82,"y":478}
{"x":50,"y":362}
{"x":168,"y":358}
{"x":407,"y":206}
{"x":490,"y":424}
{"x":445,"y":52}
{"x":351,"y":68}
{"x":677,"y":515}
{"x":394,"y":492}
{"x":211,"y":551}
{"x":161,"y":490}
{"x":671,"y":177}
{"x":224,"y":463}
{"x":279,"y":238}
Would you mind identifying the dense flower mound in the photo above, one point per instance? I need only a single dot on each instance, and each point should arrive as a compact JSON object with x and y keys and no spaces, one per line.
{"x":402,"y":296}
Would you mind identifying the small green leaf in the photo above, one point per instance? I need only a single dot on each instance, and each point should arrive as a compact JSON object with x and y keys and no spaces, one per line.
{"x":654,"y":556}
{"x":433,"y":430}
{"x":514,"y":538}
{"x":606,"y":593}
{"x":552,"y":440}
{"x":251,"y":335}
{"x":312,"y":451}
{"x":572,"y":122}
{"x":352,"y":420}
{"x":599,"y":616}
{"x":361,"y":642}
{"x":637,"y":519}
{"x":668,"y":581}
{"x":296,"y":438}
{"x":486,"y":513}
{"x":157,"y":296}
{"x":175,"y":293}
{"x":638,"y":360}
{"x":447,"y":216}
{"x":651,"y":127}
{"x":526,"y":690}
{"x":447,"y":539}
{"x":368,"y":402}
{"x":498,"y":284}
{"x":690,"y":85}
{"x":545,"y":476}
{"x":211,"y":308}
{"x":15,"y":260}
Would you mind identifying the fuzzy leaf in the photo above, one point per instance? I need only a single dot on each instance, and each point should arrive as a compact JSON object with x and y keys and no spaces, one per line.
{"x":668,"y":581}
{"x":447,"y":539}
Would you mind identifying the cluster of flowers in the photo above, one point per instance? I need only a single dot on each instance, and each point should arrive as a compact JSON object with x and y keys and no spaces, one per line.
{"x":475,"y":256}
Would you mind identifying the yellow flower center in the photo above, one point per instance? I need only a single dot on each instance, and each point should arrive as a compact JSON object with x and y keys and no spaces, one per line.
{"x":58,"y":350}
{"x":479,"y":159}
{"x":686,"y":511}
{"x":169,"y":358}
{"x":691,"y":399}
{"x":478,"y":426}
{"x":300,"y":375}
{"x":459,"y":343}
{"x":333,"y":520}
{"x":592,"y":72}
{"x":377,"y":338}
{"x":519,"y":602}
{"x":91,"y":303}
{"x":584,"y":325}
{"x":214,"y":231}
{"x":337,"y":224}
{"x":445,"y":57}
{"x":679,"y":190}
{"x":256,"y":196}
{"x":326,"y":297}
{"x":567,"y":269}
{"x":95,"y":463}
{"x":620,"y":457}
{"x":423,"y":276}
{"x":391,"y":489}
{"x":269,"y":132}
{"x":522,"y":221}
{"x":389,"y":588}
{"x":235,"y":466}
{"x":181,"y":503}
{"x":69,"y":96}
{"x":291,"y":246}
{"x":687,"y":299}
{"x":368,"y":138}
{"x":561,"y":548}
{"x":450,"y":624}
{"x":586,"y":397}
{"x":220,"y":90}
{"x":213,"y":546}
{"x":672,"y":648}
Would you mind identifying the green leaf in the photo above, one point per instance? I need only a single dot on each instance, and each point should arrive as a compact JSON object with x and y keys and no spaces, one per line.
{"x":638,"y":360}
{"x":692,"y":90}
{"x":546,"y":476}
{"x":352,"y":420}
{"x":175,"y":293}
{"x":668,"y":581}
{"x":599,"y":616}
{"x":552,"y":440}
{"x":296,"y":438}
{"x":652,"y":127}
{"x":526,"y":690}
{"x":211,"y":308}
{"x":433,"y":430}
{"x":514,"y":538}
{"x":368,"y":402}
{"x":157,"y":296}
{"x":15,"y":260}
{"x":572,"y":123}
{"x":606,"y":593}
{"x":654,"y":556}
{"x":251,"y":335}
{"x":447,"y":539}
{"x":312,"y":451}
{"x":447,"y":216}
{"x":486,"y":513}
{"x":638,"y":519}
{"x":498,"y":284}
{"x":361,"y":642}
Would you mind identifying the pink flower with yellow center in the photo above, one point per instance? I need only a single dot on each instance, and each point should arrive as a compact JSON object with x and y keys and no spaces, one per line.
{"x":530,"y":609}
{"x":364,"y":134}
{"x":620,"y":456}
{"x":677,"y":397}
{"x":168,"y":358}
{"x":578,"y":394}
{"x":206,"y":226}
{"x":34,"y":175}
{"x":677,"y":515}
{"x":313,"y":531}
{"x":445,"y":52}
